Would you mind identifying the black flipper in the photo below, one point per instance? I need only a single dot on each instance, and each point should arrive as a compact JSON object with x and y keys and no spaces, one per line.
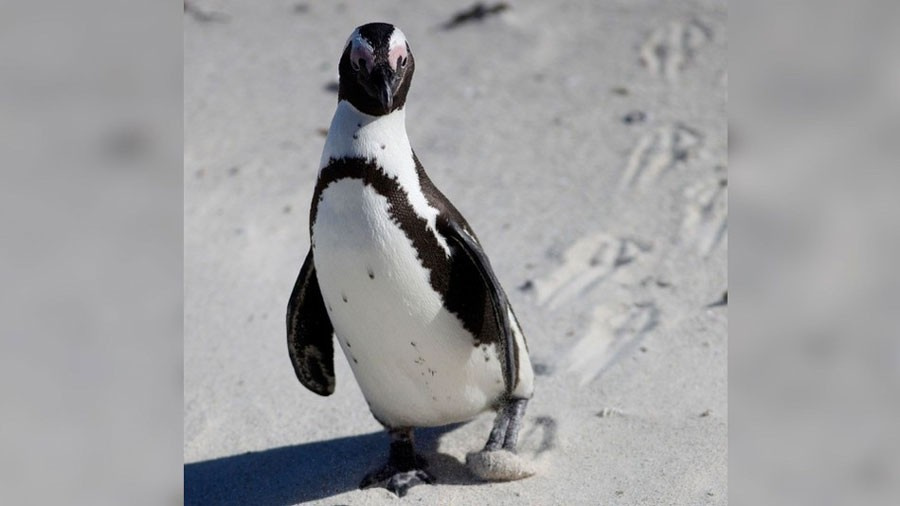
{"x":468,"y":256}
{"x":309,"y":332}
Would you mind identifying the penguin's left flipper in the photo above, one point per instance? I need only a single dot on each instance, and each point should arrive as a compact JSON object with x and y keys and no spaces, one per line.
{"x":310,"y":333}
{"x":468,"y":255}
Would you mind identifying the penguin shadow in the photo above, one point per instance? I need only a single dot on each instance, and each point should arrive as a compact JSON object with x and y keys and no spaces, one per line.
{"x":309,"y":471}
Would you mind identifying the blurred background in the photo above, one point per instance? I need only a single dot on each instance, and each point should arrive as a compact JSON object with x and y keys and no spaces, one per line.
{"x":814,"y":356}
{"x":91,"y":256}
{"x":91,"y":261}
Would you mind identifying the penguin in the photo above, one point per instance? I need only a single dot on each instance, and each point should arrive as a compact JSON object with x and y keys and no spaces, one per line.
{"x":397,"y":275}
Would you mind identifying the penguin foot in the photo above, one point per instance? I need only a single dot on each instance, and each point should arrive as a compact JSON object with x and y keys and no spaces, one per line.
{"x":498,"y":460}
{"x":404,"y":469}
{"x":505,"y":433}
{"x":499,"y":465}
{"x":395,"y":480}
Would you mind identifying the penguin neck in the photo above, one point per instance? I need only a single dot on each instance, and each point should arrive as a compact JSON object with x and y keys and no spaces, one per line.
{"x":379,"y":139}
{"x":382,"y":143}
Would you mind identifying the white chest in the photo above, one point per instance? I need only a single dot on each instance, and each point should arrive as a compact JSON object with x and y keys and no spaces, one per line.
{"x":414,"y":362}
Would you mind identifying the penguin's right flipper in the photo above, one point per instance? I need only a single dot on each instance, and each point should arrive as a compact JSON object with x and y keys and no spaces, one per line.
{"x":309,"y":332}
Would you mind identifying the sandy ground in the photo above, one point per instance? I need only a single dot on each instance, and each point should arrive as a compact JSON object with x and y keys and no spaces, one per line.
{"x":586,"y":144}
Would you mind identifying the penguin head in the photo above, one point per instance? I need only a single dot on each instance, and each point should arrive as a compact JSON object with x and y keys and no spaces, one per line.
{"x":376,"y":69}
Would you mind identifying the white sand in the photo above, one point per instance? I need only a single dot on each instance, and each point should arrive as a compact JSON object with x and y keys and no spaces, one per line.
{"x":619,"y":228}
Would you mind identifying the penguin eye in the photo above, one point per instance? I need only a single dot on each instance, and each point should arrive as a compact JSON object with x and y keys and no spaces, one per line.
{"x":354,"y":66}
{"x":401,"y":62}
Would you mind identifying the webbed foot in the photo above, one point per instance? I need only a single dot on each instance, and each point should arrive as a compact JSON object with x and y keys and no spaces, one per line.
{"x":395,"y":480}
{"x":404,"y":468}
{"x":498,"y":460}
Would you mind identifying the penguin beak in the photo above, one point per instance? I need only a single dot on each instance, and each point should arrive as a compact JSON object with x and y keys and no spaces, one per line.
{"x":386,"y":92}
{"x":384,"y":83}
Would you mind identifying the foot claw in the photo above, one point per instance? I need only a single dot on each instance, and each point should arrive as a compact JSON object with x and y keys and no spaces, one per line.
{"x":398,"y":482}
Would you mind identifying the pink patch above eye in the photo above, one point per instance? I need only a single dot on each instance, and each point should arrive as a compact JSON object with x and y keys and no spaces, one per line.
{"x":364,"y":53}
{"x":395,"y":54}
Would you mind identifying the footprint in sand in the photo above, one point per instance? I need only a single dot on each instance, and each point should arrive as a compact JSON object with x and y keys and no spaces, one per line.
{"x":705,"y":222}
{"x":539,"y":436}
{"x":658,"y":152}
{"x":588,"y":262}
{"x":670,"y":48}
{"x":614,"y":331}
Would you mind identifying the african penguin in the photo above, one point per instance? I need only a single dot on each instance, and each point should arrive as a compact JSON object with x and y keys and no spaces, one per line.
{"x":398,"y":276}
